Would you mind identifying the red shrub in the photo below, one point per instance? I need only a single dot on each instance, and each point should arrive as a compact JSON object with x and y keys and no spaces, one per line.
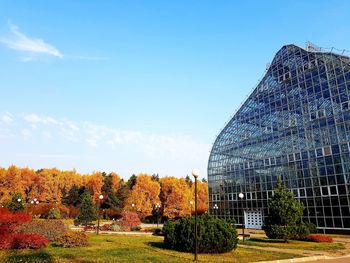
{"x":20,"y":241}
{"x":319,"y":238}
{"x":9,"y":220}
{"x":130,"y":219}
{"x":6,"y":241}
{"x":33,"y":241}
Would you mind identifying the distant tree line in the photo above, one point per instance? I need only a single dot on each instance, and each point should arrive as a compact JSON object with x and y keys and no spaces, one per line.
{"x":64,"y":190}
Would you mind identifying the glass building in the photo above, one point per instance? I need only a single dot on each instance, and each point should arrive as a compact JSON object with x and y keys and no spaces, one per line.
{"x":295,"y":124}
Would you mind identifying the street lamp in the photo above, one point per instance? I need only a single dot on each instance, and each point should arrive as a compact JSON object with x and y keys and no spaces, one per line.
{"x":191,"y":203}
{"x":98,"y":213}
{"x":241,"y":196}
{"x":133,"y":206}
{"x":19,"y":200}
{"x":195,"y":173}
{"x":157,"y":209}
{"x":215,"y":207}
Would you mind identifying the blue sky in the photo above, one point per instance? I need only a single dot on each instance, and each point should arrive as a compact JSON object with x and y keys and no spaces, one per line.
{"x":139,"y":86}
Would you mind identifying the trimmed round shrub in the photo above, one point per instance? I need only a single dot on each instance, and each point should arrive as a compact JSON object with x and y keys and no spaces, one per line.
{"x":72,"y":239}
{"x":115,"y":227}
{"x":214,"y":235}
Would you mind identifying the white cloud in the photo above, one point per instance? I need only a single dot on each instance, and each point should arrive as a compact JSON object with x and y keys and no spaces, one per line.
{"x":26,"y":132}
{"x":7,"y":118}
{"x":31,"y":46}
{"x":131,"y":151}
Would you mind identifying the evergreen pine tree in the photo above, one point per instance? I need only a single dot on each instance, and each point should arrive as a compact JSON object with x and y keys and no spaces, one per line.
{"x":17,"y":203}
{"x":87,"y":209}
{"x":284,"y":212}
{"x":111,"y":198}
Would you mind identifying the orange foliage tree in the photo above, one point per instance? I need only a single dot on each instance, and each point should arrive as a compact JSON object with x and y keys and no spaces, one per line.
{"x":144,"y":195}
{"x":176,"y":197}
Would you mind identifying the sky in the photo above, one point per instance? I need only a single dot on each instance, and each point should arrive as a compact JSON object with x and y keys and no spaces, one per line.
{"x":140,"y":86}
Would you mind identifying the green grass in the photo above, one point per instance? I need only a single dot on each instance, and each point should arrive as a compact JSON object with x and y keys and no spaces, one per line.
{"x":293,"y":244}
{"x":123,"y":248}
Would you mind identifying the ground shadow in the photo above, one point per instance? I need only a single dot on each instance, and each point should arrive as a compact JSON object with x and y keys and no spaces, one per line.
{"x":157,"y":245}
{"x":267,"y":240}
{"x":40,"y":256}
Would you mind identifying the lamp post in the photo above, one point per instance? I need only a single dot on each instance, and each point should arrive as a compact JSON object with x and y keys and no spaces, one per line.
{"x":191,"y":203}
{"x":98,"y":214}
{"x":157,"y":209}
{"x":133,"y":206}
{"x":215,"y":207}
{"x":195,"y":173}
{"x":241,"y":196}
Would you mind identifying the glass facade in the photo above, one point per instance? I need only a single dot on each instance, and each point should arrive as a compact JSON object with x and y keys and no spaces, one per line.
{"x":295,"y":124}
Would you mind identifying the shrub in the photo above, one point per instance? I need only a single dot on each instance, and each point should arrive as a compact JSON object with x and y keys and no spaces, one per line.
{"x":54,"y":213}
{"x":214,"y":235}
{"x":302,"y":230}
{"x":51,"y":229}
{"x":22,"y":241}
{"x":9,"y":220}
{"x":135,"y":228}
{"x":319,"y":238}
{"x":6,"y":241}
{"x":278,"y":232}
{"x":130,"y":219}
{"x":33,"y":241}
{"x":298,"y":231}
{"x":115,"y":227}
{"x":72,"y":239}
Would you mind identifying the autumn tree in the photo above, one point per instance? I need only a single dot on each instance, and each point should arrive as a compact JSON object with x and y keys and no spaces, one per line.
{"x":144,"y":194}
{"x":175,"y":197}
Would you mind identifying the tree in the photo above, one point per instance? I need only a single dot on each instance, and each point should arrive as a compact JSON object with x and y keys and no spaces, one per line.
{"x":144,"y":194}
{"x":109,"y":190}
{"x":176,"y":197}
{"x":284,"y":213}
{"x":17,"y":203}
{"x":87,"y":209}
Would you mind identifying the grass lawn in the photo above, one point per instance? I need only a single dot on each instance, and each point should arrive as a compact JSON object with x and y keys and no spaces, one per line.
{"x":293,"y":244}
{"x":123,"y":248}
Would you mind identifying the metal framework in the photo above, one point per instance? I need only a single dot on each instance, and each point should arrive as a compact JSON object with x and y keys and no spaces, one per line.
{"x":295,"y":124}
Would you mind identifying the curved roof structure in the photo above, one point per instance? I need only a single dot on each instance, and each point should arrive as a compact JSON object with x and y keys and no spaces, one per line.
{"x":292,"y":113}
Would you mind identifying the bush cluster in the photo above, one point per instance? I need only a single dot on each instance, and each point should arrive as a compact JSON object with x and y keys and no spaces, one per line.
{"x":22,"y":241}
{"x":319,"y":238}
{"x":129,"y":220}
{"x":72,"y":239}
{"x":297,"y":232}
{"x":51,"y":229}
{"x":214,"y":235}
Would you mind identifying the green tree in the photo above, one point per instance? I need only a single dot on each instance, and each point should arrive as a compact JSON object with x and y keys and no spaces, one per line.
{"x":284,"y":213}
{"x":17,"y":203}
{"x":87,"y":209}
{"x":111,"y":199}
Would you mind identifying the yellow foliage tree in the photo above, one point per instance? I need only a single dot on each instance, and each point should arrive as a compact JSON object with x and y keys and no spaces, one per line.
{"x":144,"y":195}
{"x":176,"y":197}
